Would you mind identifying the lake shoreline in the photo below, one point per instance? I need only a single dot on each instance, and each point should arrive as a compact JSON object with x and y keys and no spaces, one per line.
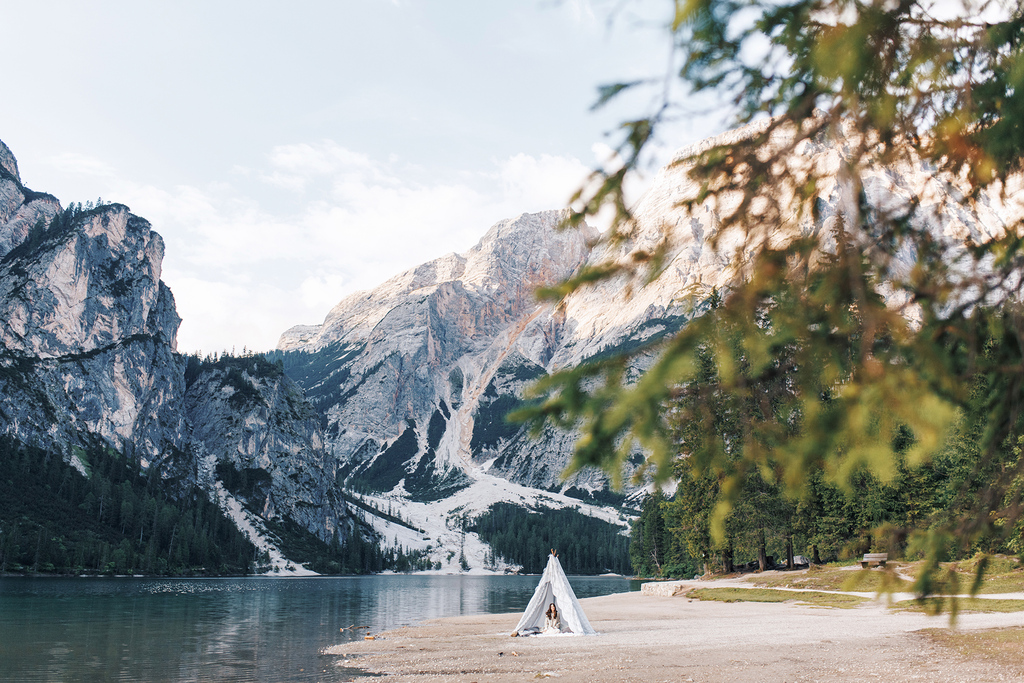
{"x":272,"y":575}
{"x":263,"y":629}
{"x":647,"y":638}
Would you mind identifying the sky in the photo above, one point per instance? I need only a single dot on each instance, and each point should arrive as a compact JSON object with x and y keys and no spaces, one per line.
{"x":293,"y":153}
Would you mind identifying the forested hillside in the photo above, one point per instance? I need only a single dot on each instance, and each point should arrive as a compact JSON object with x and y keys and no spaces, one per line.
{"x":117,"y":520}
{"x":585,"y":545}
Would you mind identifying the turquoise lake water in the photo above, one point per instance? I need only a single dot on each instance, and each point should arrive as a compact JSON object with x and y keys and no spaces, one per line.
{"x":240,"y":629}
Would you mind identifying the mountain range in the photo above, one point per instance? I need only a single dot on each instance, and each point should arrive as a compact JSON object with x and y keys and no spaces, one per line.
{"x":385,"y":421}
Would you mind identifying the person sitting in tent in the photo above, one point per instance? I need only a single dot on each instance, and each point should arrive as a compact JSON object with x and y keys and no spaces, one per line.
{"x":552,"y":624}
{"x":563,"y":614}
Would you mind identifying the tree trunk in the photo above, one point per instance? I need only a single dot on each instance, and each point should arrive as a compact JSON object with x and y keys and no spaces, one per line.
{"x":789,"y":552}
{"x":170,"y":546}
{"x":815,"y":557}
{"x":727,"y":558}
{"x":762,"y":554}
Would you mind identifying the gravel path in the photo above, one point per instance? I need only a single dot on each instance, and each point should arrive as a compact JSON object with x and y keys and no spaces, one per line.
{"x":651,"y":638}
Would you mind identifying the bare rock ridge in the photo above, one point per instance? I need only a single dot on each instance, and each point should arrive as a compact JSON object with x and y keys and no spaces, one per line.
{"x":88,"y":351}
{"x":413,"y":378}
{"x":8,"y":163}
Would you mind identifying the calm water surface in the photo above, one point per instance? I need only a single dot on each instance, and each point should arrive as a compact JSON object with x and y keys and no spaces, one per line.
{"x":249,"y":629}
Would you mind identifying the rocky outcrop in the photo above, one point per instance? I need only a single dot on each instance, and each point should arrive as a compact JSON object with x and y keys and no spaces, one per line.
{"x":414,"y":379}
{"x":86,"y":281}
{"x":251,"y":428}
{"x":88,"y":331}
{"x":21,"y":209}
{"x":402,"y":373}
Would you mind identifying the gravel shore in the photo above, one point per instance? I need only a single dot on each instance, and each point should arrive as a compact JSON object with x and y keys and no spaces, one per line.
{"x":651,"y":638}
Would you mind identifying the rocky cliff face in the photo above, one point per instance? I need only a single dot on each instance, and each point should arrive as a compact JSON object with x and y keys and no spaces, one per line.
{"x":88,"y":331}
{"x":251,"y":430}
{"x":88,"y":351}
{"x":413,"y":379}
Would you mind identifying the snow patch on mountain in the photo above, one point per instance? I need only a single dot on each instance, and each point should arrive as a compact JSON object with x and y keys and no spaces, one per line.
{"x":439,"y":524}
{"x":254,"y":529}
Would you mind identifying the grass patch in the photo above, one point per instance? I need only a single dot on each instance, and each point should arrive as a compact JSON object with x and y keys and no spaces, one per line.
{"x":814,"y":598}
{"x":833,"y":578}
{"x":939,"y":605}
{"x":1002,"y":575}
{"x":1003,"y":645}
{"x":997,"y":565}
{"x":1006,"y":583}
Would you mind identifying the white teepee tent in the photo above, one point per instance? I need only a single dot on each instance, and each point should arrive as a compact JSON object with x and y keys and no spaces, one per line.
{"x":554,"y":588}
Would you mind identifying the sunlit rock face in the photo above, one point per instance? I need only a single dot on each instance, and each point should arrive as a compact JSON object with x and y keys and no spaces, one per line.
{"x":87,"y":329}
{"x":85,"y":286}
{"x":88,"y":353}
{"x":415,"y":377}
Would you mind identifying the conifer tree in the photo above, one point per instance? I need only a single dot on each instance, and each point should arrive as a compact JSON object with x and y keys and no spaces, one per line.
{"x":880,"y":323}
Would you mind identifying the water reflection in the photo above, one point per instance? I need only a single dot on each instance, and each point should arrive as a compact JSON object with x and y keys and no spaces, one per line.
{"x":251,"y":629}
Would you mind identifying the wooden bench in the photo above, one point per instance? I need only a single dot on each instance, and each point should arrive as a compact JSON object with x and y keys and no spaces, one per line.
{"x":874,"y":558}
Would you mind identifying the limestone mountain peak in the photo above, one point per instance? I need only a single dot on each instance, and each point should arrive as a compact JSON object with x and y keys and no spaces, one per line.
{"x":505,"y":267}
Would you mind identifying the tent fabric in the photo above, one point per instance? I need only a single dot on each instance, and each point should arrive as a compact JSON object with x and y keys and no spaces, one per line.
{"x":554,"y":588}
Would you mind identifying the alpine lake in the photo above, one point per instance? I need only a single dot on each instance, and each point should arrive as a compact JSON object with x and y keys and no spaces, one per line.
{"x":232,"y":629}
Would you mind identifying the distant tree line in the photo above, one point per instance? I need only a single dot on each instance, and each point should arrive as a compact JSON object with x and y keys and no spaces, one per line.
{"x":585,"y":545}
{"x":256,"y":364}
{"x":655,"y":550}
{"x":118,"y":520}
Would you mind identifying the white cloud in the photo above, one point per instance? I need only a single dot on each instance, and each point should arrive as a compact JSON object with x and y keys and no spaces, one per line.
{"x":243,"y":270}
{"x":540,"y":183}
{"x":296,"y":166}
{"x":80,"y":164}
{"x":320,"y":291}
